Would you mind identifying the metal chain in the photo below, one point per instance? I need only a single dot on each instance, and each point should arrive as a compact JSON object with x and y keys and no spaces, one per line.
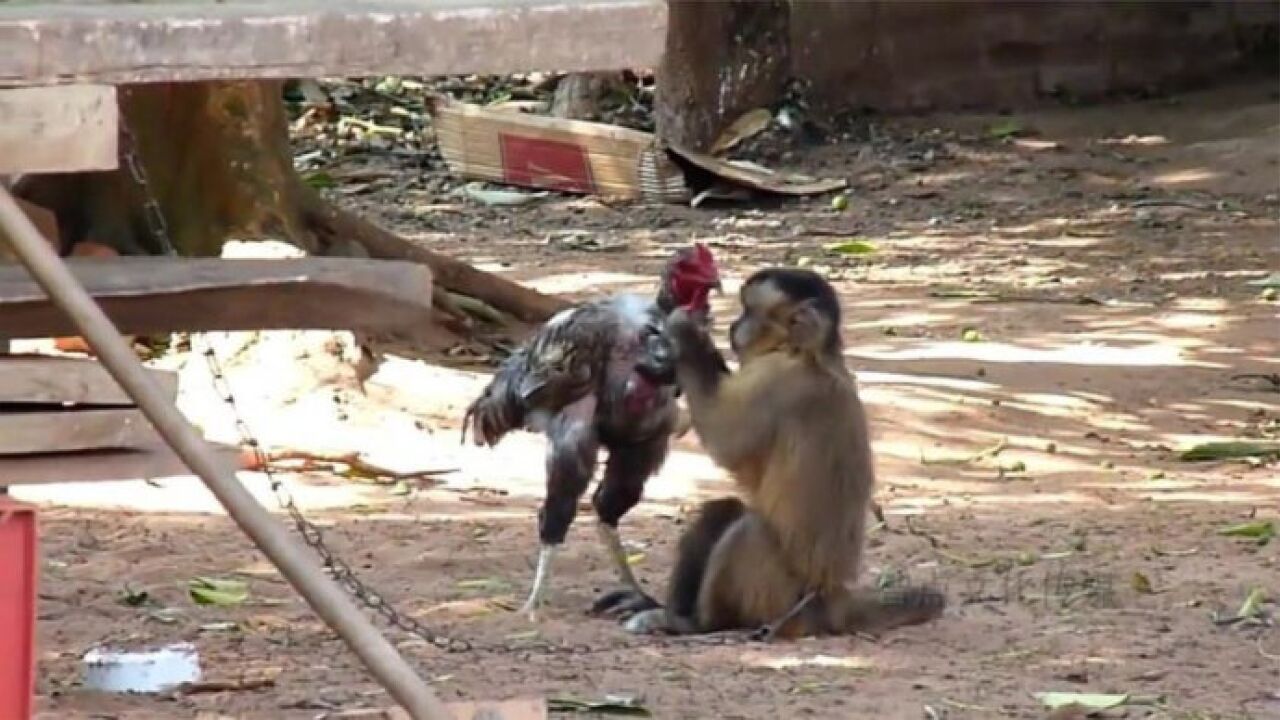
{"x":311,"y":533}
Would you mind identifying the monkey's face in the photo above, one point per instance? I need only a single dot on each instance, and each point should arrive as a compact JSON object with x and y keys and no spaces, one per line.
{"x":774,"y":319}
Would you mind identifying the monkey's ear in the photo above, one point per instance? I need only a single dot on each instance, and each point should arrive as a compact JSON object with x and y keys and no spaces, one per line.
{"x":807,"y":328}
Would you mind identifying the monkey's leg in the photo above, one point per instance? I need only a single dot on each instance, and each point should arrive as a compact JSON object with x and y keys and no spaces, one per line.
{"x":628,"y":468}
{"x":748,"y":584}
{"x":571,"y":461}
{"x":696,"y":544}
{"x":770,"y":631}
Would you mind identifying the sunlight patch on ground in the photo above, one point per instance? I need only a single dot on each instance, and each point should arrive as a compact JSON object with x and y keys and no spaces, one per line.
{"x":787,"y":662}
{"x":872,"y":377}
{"x":996,"y":352}
{"x":582,"y":281}
{"x":1211,"y":497}
{"x":903,"y":320}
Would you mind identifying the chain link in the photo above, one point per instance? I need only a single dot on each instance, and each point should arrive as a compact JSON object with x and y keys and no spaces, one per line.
{"x":311,"y":533}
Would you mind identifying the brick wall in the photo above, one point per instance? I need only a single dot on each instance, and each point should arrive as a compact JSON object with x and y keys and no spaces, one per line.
{"x":906,"y":56}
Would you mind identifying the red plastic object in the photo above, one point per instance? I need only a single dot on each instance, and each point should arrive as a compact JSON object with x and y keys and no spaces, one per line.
{"x":18,"y":573}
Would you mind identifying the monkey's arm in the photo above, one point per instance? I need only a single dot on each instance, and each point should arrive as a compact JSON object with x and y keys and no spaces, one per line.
{"x":732,"y":413}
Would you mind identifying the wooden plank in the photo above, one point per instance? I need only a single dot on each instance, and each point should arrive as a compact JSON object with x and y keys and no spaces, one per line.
{"x":158,"y":295}
{"x":153,"y":460}
{"x":106,"y":41}
{"x":30,"y":433}
{"x":82,"y":381}
{"x":58,"y":129}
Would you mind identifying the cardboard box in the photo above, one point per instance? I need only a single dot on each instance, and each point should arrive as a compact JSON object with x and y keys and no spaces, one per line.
{"x":576,"y":156}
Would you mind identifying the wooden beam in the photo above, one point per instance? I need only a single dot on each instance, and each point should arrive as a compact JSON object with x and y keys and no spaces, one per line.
{"x":49,"y":379}
{"x":71,"y":128}
{"x":152,"y":460}
{"x":60,"y":431}
{"x":108,"y":41}
{"x":158,"y":295}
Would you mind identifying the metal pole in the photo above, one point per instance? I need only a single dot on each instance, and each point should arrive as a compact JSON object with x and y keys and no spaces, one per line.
{"x":290,"y":556}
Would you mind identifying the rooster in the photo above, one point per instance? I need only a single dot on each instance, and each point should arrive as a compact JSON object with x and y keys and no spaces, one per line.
{"x":596,"y":374}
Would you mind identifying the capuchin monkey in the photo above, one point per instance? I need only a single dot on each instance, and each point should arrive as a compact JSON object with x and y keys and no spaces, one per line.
{"x":790,"y":428}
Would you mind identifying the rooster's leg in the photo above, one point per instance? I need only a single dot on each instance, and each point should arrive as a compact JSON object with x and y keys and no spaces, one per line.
{"x":571,"y":461}
{"x":625,"y":474}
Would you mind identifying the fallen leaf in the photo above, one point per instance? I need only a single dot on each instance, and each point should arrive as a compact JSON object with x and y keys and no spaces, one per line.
{"x":1261,"y":530}
{"x":747,"y":125}
{"x":971,"y":335}
{"x":319,"y":180}
{"x":1005,"y":129}
{"x":500,"y":198}
{"x":134,"y":598}
{"x":1229,"y":451}
{"x":491,"y":584}
{"x":855,"y":246}
{"x":1089,"y":701}
{"x":1141,"y":583}
{"x":1252,"y":606}
{"x":610,"y":705}
{"x":217,"y":591}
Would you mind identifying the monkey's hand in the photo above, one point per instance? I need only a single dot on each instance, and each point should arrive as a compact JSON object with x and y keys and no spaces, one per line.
{"x":698,"y":362}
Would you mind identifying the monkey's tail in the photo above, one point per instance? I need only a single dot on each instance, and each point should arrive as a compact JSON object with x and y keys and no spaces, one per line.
{"x":868,"y":611}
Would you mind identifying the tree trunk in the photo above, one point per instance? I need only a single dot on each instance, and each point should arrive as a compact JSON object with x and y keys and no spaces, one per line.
{"x":218,"y":161}
{"x":722,"y":59}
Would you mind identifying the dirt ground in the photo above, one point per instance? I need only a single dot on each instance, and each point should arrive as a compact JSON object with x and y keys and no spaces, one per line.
{"x":1101,"y":260}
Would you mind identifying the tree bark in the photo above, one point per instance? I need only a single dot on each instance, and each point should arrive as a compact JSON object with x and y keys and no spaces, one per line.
{"x":218,"y":161}
{"x":722,"y":59}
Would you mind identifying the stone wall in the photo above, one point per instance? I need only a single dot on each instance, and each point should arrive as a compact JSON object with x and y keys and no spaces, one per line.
{"x":909,"y":56}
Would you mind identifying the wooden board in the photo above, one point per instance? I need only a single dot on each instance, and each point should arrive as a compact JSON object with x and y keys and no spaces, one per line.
{"x":106,"y":41}
{"x":153,"y":461}
{"x":30,"y":433}
{"x":58,"y":129}
{"x":82,"y":381}
{"x":159,"y":295}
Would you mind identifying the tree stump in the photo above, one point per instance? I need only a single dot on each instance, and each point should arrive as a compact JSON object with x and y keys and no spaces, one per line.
{"x":218,"y":161}
{"x":722,"y":60}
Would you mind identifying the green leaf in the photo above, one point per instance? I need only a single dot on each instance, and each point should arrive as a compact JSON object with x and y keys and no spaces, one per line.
{"x":217,"y":591}
{"x":319,"y":180}
{"x":487,"y":584}
{"x":1004,"y":129}
{"x":1229,"y":451}
{"x":1262,"y":530}
{"x":1088,"y":701}
{"x":854,"y":246}
{"x":971,"y":335}
{"x":1252,"y":606}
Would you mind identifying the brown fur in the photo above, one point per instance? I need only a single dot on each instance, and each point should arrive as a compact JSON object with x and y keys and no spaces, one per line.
{"x":790,"y":428}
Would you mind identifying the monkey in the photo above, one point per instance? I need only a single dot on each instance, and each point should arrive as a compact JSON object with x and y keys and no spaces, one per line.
{"x":790,"y":429}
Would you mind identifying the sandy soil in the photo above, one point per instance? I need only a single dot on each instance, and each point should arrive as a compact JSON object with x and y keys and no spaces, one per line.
{"x":1103,"y":260}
